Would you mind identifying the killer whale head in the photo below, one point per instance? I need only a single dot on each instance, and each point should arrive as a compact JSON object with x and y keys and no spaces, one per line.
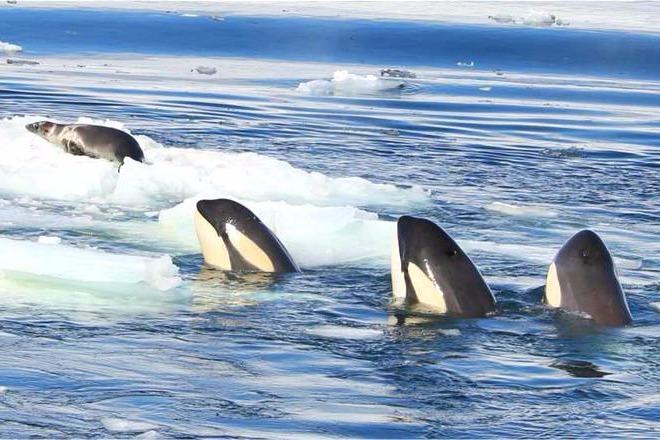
{"x":582,"y":278}
{"x":430,"y":268}
{"x":233,"y":238}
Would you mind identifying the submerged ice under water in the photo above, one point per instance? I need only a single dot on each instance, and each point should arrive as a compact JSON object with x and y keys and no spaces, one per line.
{"x":110,"y":326}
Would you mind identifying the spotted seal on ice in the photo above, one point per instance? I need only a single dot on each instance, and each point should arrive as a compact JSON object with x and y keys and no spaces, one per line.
{"x":95,"y":141}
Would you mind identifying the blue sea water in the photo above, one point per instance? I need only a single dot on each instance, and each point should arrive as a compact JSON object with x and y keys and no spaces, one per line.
{"x":512,"y":138}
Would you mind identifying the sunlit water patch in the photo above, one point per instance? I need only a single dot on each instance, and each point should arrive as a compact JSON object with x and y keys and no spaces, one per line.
{"x":511,"y":137}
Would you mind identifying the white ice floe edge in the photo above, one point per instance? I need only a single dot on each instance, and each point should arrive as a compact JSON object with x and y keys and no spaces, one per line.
{"x":24,"y":258}
{"x":628,"y":16}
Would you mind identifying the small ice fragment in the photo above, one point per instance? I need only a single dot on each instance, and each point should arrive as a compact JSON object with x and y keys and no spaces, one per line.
{"x":465,"y":63}
{"x":346,"y":83}
{"x":486,"y":89}
{"x":113,"y":424}
{"x":316,"y":87}
{"x":45,"y":239}
{"x":531,"y":19}
{"x":656,"y":306}
{"x":521,"y":210}
{"x":8,"y":47}
{"x":3,"y":390}
{"x":206,"y":70}
{"x":217,"y":18}
{"x":397,"y":73}
{"x":189,"y":15}
{"x":20,"y":62}
{"x":450,"y":332}
{"x":502,"y":18}
{"x":149,"y":435}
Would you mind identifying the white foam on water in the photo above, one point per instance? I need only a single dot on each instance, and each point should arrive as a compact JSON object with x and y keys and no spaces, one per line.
{"x":345,"y":83}
{"x":314,"y":235}
{"x":33,"y":167}
{"x":20,"y":258}
{"x":520,"y":210}
{"x":113,"y":424}
{"x":3,"y":390}
{"x":343,"y":332}
{"x":9,"y":47}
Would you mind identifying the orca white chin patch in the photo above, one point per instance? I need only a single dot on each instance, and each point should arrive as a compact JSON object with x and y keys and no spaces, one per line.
{"x":552,"y":287}
{"x":249,"y":250}
{"x":398,"y":280}
{"x":426,"y":289}
{"x":213,"y":248}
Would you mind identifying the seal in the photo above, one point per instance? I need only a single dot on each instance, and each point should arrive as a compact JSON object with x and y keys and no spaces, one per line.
{"x":95,"y":141}
{"x":428,"y":267}
{"x":233,"y":238}
{"x":582,"y":278}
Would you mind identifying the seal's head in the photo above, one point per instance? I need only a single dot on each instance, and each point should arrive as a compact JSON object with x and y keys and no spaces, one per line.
{"x":45,"y":129}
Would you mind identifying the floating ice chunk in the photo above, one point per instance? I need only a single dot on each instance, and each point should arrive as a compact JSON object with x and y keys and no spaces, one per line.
{"x":113,"y":424}
{"x":20,"y":62}
{"x":450,"y":332}
{"x":70,"y":264}
{"x":31,"y":166}
{"x":397,"y":73}
{"x":465,"y":64}
{"x":521,"y":210}
{"x":533,"y":18}
{"x":3,"y":390}
{"x":539,"y":19}
{"x":8,"y":47}
{"x":345,"y":83}
{"x":502,"y":18}
{"x":206,"y":70}
{"x":316,"y":87}
{"x":486,"y":89}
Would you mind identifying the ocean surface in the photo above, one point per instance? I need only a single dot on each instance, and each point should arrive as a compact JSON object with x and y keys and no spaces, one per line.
{"x":512,"y":135}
